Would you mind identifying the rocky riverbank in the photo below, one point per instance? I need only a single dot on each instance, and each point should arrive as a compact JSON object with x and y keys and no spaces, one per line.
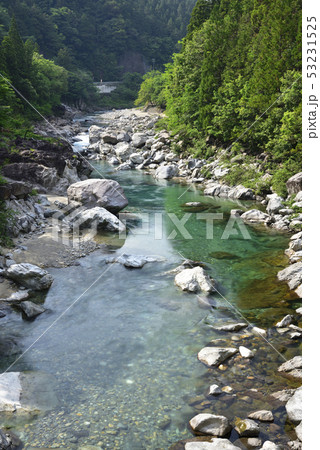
{"x":131,"y":142}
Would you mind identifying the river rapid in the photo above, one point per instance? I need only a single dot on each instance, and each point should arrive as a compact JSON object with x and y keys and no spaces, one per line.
{"x":124,"y":356}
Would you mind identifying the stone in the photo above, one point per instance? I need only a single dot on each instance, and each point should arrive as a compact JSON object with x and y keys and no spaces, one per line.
{"x":214,"y":356}
{"x":5,"y":441}
{"x":210,"y":424}
{"x":275,"y":204}
{"x":31,"y":310}
{"x":194,"y":280}
{"x":241,"y":193}
{"x":268,"y":445}
{"x":136,"y":158}
{"x":97,"y":219}
{"x":167,"y":172}
{"x":139,"y":139}
{"x":294,"y":407}
{"x":262,"y":415}
{"x":292,"y":275}
{"x":247,"y":428}
{"x":109,"y":138}
{"x":217,"y":190}
{"x":294,"y":184}
{"x":292,"y":364}
{"x":94,"y":133}
{"x":259,"y":331}
{"x":123,"y":151}
{"x":30,"y":276}
{"x":298,"y":430}
{"x":298,"y":197}
{"x":125,"y":166}
{"x":132,"y":261}
{"x":295,"y":445}
{"x":255,"y":216}
{"x":10,"y":391}
{"x":283,"y":396}
{"x":214,"y":444}
{"x":232,"y":327}
{"x":245,"y":352}
{"x":107,"y":194}
{"x":287,"y":320}
{"x":214,"y":389}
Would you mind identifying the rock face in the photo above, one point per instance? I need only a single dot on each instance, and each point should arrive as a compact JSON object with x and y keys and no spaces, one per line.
{"x":30,"y":276}
{"x":213,"y":356}
{"x":99,"y":219}
{"x":294,"y":184}
{"x":210,"y":424}
{"x":294,"y":407}
{"x":194,"y":280}
{"x":106,"y":194}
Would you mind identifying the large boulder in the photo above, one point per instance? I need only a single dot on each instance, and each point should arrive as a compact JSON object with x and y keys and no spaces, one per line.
{"x":275,"y":204}
{"x":292,"y":275}
{"x":18,"y":189}
{"x":241,"y":193}
{"x":94,"y":134}
{"x":217,"y":190}
{"x":106,"y":194}
{"x":255,"y":216}
{"x":97,"y":218}
{"x":214,"y":356}
{"x":139,"y":139}
{"x":294,"y":184}
{"x":167,"y":172}
{"x":123,"y":151}
{"x":30,"y":276}
{"x":294,"y":407}
{"x":210,"y":424}
{"x":194,"y":280}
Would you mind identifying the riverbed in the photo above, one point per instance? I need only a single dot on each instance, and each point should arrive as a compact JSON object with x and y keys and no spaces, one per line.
{"x":125,"y":354}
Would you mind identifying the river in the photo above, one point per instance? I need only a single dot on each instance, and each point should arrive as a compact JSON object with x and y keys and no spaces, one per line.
{"x":125,"y":354}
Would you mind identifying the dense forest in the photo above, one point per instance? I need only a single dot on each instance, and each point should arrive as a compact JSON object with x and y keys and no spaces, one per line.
{"x":236,"y":84}
{"x":104,"y":37}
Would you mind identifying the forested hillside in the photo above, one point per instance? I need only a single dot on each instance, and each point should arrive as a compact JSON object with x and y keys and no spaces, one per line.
{"x":104,"y":37}
{"x":240,"y":59}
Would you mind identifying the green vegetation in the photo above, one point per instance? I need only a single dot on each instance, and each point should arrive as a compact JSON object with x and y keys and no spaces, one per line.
{"x":103,"y":37}
{"x":236,"y":84}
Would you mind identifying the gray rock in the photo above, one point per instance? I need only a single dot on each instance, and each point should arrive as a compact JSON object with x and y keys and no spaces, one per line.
{"x":262,"y":415}
{"x":213,"y":356}
{"x":30,"y":276}
{"x":136,"y":158}
{"x":132,"y":261}
{"x":210,"y":424}
{"x":109,"y":138}
{"x":194,"y":280}
{"x":139,"y":139}
{"x":167,"y":172}
{"x":292,"y":364}
{"x":295,"y":445}
{"x":94,"y":134}
{"x":298,"y":431}
{"x":294,"y":407}
{"x":268,"y":445}
{"x":292,"y":275}
{"x":31,"y":310}
{"x":274,"y":204}
{"x":294,"y":184}
{"x":287,"y":320}
{"x":217,"y":190}
{"x":232,"y":327}
{"x":95,"y":192}
{"x":298,"y":197}
{"x":123,"y":151}
{"x":247,"y":428}
{"x":125,"y":166}
{"x":97,"y":218}
{"x":214,"y":444}
{"x":245,"y":352}
{"x":255,"y":216}
{"x":5,"y":441}
{"x":241,"y":193}
{"x":283,"y":396}
{"x":214,"y":389}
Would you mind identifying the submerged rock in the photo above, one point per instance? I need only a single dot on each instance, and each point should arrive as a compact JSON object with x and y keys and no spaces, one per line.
{"x":30,"y":276}
{"x":247,"y":428}
{"x":263,"y":415}
{"x":31,"y":310}
{"x":213,"y":356}
{"x":210,"y":424}
{"x":132,"y":261}
{"x":194,"y":280}
{"x":106,"y":194}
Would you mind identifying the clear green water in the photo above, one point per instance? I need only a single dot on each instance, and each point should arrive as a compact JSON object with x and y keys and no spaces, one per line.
{"x":125,"y":355}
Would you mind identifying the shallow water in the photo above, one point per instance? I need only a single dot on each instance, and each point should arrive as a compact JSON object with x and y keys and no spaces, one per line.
{"x":125,"y":354}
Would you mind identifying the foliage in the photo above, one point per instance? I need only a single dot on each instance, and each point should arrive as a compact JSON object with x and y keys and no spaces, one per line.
{"x":125,"y":94}
{"x":5,"y":216}
{"x":152,"y":90}
{"x":237,"y":82}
